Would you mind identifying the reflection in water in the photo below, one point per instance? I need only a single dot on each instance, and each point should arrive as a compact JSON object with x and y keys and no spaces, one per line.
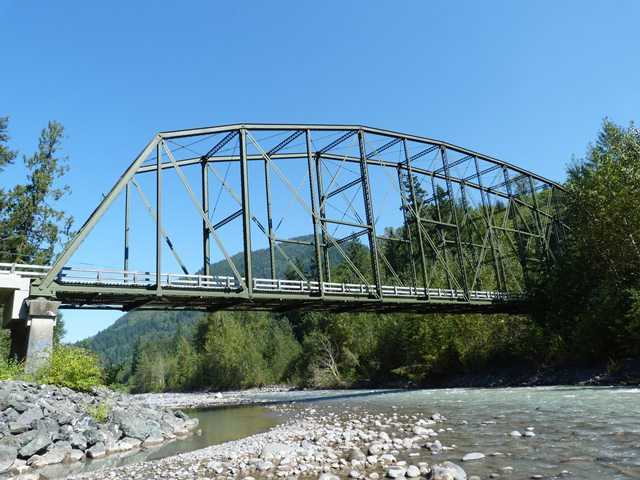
{"x":218,"y":425}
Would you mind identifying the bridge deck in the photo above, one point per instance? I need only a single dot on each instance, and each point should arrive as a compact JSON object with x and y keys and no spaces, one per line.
{"x":127,"y":290}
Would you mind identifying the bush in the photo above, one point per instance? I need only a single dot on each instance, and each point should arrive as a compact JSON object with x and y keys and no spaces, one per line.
{"x":72,"y":367}
{"x":11,"y":369}
{"x":100,"y":412}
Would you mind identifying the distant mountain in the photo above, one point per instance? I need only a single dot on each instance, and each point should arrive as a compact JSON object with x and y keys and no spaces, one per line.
{"x":115,"y":344}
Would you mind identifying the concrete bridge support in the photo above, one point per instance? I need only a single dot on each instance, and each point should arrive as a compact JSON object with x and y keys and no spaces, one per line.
{"x":31,"y":321}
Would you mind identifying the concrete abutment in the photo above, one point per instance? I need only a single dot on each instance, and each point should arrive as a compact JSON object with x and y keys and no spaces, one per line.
{"x":31,"y":321}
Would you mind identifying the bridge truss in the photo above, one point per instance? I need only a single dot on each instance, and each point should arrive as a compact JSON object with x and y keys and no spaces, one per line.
{"x":388,"y":221}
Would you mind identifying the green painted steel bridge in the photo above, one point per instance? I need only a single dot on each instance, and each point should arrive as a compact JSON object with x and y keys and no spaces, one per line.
{"x":336,"y":217}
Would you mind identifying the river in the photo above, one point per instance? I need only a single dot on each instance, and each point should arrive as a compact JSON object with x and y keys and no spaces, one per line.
{"x":580,"y":432}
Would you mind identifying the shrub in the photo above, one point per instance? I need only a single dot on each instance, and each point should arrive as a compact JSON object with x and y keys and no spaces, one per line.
{"x":72,"y":367}
{"x":11,"y":369}
{"x":99,"y":412}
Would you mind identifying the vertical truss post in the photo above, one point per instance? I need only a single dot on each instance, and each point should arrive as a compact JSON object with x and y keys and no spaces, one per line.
{"x":485,"y":206}
{"x":206,"y":248}
{"x":414,"y":274}
{"x":370,"y":218}
{"x":417,"y":217}
{"x":469,"y":224}
{"x":522,"y":253}
{"x":159,"y":216}
{"x":454,"y":213}
{"x":127,"y":202}
{"x":314,"y":212}
{"x":546,"y":251}
{"x":441,"y":233}
{"x":322,"y":223}
{"x":270,"y":232}
{"x":246,"y":214}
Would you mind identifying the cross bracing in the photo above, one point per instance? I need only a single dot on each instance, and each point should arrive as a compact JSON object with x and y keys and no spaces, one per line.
{"x":388,"y":221}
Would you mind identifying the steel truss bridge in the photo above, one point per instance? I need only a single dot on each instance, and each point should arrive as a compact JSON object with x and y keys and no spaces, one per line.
{"x":386,"y":222}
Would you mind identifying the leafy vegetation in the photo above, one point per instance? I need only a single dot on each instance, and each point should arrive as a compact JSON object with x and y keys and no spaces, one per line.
{"x":591,"y":307}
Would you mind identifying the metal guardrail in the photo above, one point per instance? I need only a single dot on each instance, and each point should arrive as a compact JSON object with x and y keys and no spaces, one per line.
{"x":103,"y":276}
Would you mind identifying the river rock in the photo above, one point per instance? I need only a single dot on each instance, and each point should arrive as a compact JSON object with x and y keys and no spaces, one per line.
{"x":515,"y":433}
{"x":375,"y":449}
{"x":413,"y":471}
{"x":97,"y":451}
{"x":264,"y":465}
{"x":132,"y":425}
{"x":24,"y":420}
{"x":472,"y":456}
{"x":275,"y":448}
{"x":7,"y":456}
{"x":396,"y":472}
{"x":328,"y":476}
{"x":77,"y":440}
{"x":447,"y":470}
{"x":55,"y":455}
{"x":75,"y":456}
{"x":356,"y":454}
{"x":41,"y":441}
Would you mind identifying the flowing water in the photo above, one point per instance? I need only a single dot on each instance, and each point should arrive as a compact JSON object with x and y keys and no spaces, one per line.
{"x":581,"y":432}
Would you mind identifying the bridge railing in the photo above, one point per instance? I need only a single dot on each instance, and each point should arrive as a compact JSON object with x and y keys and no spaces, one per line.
{"x":30,"y":271}
{"x":113,"y":277}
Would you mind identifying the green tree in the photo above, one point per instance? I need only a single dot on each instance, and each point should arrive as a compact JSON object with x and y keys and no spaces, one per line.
{"x":591,"y":294}
{"x":6,"y":155}
{"x":30,"y":224}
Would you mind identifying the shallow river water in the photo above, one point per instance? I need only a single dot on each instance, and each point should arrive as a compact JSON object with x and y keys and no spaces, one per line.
{"x":581,"y":432}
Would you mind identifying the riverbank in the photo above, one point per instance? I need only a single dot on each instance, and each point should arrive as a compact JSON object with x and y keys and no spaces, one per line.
{"x":229,"y":398}
{"x":620,"y":373}
{"x":318,"y":443}
{"x":42,"y":425}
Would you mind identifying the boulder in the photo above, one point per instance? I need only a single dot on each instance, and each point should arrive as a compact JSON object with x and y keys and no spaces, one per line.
{"x":55,"y":455}
{"x":77,"y":440}
{"x":97,"y":451}
{"x":8,"y":455}
{"x":40,"y":442}
{"x":131,"y":424}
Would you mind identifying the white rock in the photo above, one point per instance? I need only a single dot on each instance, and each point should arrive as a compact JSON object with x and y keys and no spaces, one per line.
{"x":472,"y":456}
{"x":413,"y":471}
{"x":515,"y":433}
{"x":396,"y":472}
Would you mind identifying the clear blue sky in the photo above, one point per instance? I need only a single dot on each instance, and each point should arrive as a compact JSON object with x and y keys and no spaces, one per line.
{"x":527,"y":82}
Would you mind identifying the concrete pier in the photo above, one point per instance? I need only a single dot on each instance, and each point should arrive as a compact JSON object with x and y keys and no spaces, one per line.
{"x":31,"y":321}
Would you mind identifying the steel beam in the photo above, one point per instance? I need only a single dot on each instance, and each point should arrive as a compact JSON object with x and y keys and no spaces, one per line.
{"x":42,"y":287}
{"x":246,"y":213}
{"x":315,"y":216}
{"x":206,"y":236}
{"x":454,"y":214}
{"x":127,"y":200}
{"x":417,"y":214}
{"x":370,"y":217}
{"x":159,"y":217}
